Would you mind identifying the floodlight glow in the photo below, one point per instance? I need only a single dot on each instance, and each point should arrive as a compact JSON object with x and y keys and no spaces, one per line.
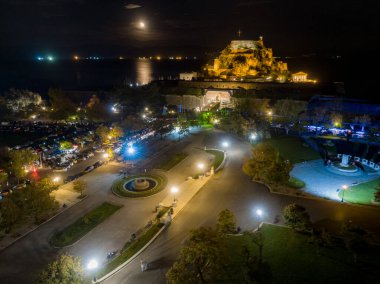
{"x":142,"y":25}
{"x":176,"y":129}
{"x":344,"y":186}
{"x":106,"y":155}
{"x":50,"y":58}
{"x":259,"y":212}
{"x":92,"y":264}
{"x":201,"y":165}
{"x":131,"y":150}
{"x":253,"y":136}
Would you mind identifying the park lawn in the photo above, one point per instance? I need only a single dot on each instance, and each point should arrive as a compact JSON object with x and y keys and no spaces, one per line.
{"x":218,"y":157}
{"x":295,"y":183}
{"x":293,"y":259}
{"x":362,"y":193}
{"x":294,"y":149}
{"x":83,"y":225}
{"x":172,"y":161}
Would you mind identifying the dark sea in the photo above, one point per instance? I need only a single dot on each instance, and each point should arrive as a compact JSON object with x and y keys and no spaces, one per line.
{"x":39,"y":76}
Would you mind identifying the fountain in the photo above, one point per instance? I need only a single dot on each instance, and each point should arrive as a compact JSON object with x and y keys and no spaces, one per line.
{"x":140,"y":184}
{"x":344,"y":161}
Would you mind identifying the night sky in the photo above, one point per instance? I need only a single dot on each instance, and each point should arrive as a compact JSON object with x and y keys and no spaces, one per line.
{"x":111,"y":27}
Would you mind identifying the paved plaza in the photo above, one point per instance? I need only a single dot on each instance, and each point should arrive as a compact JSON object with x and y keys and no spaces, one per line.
{"x":323,"y":183}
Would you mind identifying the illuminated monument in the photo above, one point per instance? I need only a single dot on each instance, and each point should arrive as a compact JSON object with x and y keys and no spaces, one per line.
{"x":247,"y":59}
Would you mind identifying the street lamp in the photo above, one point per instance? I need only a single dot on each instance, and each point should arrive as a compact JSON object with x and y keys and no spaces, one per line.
{"x":225,"y":144}
{"x":106,"y":155}
{"x":201,"y":166}
{"x":259,"y":214}
{"x":56,"y":179}
{"x":344,"y":188}
{"x":174,"y":190}
{"x":131,"y":150}
{"x":92,"y":265}
{"x":253,"y":136}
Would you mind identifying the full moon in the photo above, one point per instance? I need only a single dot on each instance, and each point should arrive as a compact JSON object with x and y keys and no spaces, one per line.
{"x":142,"y":25}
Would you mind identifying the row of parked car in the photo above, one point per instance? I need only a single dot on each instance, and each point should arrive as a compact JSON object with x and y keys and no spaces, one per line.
{"x":86,"y":170}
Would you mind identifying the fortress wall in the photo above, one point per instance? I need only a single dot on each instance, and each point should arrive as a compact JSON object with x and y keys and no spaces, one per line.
{"x":187,"y":101}
{"x":244,"y":85}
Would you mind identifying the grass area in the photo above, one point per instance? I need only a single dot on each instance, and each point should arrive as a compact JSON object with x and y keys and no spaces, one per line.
{"x":295,"y":183}
{"x":172,"y":161}
{"x":292,"y":258}
{"x":218,"y":157}
{"x":294,"y":149}
{"x":207,"y":126}
{"x":83,"y":225}
{"x":130,"y":248}
{"x":118,"y":186}
{"x":362,"y":193}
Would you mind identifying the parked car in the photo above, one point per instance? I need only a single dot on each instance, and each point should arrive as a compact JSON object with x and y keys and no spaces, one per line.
{"x":98,"y":164}
{"x":88,"y":169}
{"x":69,"y":178}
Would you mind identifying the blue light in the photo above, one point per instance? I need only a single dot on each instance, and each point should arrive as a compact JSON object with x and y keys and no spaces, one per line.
{"x":39,"y":58}
{"x":131,"y":150}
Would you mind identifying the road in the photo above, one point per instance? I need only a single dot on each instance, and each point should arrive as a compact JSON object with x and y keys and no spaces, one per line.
{"x":22,"y":261}
{"x":233,"y":190}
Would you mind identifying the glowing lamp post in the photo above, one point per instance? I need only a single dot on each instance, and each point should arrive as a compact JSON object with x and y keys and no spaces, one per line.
{"x":344,"y":188}
{"x":92,"y":265}
{"x":131,"y":150}
{"x":56,"y":179}
{"x":259,"y":214}
{"x":174,"y":190}
{"x":225,"y":144}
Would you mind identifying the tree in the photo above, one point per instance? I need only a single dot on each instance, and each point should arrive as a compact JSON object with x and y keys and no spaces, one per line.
{"x":320,"y":238}
{"x":3,"y":178}
{"x":64,"y":270}
{"x":35,"y":201}
{"x":226,"y":223}
{"x":297,"y":217}
{"x":376,"y":196}
{"x":62,"y":106}
{"x":65,"y":145}
{"x":79,"y":186}
{"x":10,"y":213}
{"x":46,"y":185}
{"x":201,"y":260}
{"x":19,"y":160}
{"x":116,"y":132}
{"x":356,"y":239}
{"x":103,"y":133}
{"x":267,"y":165}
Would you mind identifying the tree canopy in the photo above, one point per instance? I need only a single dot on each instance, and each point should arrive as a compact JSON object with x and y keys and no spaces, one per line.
{"x":267,"y":165}
{"x":297,"y":217}
{"x":66,"y":269}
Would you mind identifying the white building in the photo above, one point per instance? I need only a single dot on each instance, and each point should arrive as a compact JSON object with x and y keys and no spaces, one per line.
{"x":299,"y":77}
{"x":188,"y":76}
